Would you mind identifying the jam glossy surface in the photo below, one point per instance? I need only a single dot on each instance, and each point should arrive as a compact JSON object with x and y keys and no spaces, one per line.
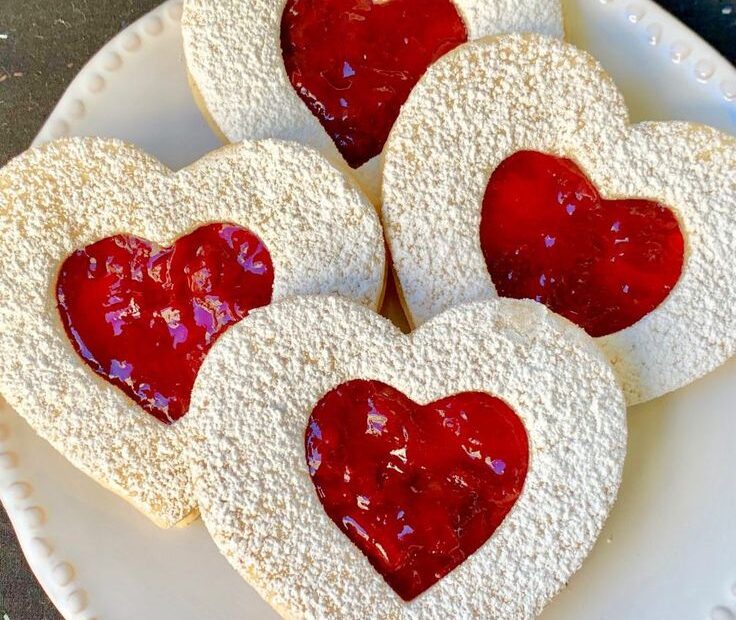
{"x":417,"y":488}
{"x":354,"y":62}
{"x":143,"y":317}
{"x":547,"y":235}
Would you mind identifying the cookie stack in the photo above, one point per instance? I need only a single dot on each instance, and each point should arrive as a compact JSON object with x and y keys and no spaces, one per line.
{"x":209,"y":341}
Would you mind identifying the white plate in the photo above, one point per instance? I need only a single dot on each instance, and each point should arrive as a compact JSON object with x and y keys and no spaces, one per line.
{"x":669,"y":548}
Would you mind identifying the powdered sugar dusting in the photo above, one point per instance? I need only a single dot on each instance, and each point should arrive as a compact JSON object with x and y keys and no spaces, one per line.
{"x":233,"y":51}
{"x":492,"y":98}
{"x":69,"y":194}
{"x":259,"y":503}
{"x":484,"y":18}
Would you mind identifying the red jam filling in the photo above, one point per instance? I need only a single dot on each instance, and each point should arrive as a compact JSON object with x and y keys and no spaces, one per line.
{"x":416,"y":488}
{"x":547,"y":235}
{"x":143,"y":317}
{"x":354,"y":62}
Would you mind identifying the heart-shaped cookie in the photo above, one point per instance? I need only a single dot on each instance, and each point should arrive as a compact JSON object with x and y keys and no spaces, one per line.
{"x":464,"y":470}
{"x":513,"y":170}
{"x":332,"y":73}
{"x":103,"y":330}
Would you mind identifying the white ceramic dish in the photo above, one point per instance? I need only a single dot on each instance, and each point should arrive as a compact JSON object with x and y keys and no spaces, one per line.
{"x":669,"y":548}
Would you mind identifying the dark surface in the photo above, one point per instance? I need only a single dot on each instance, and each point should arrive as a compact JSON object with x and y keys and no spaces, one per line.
{"x":43,"y":44}
{"x":48,"y":42}
{"x":714,"y":20}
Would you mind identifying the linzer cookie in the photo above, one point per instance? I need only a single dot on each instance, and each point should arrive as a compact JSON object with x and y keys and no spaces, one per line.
{"x":118,"y":275}
{"x":513,"y":170}
{"x":350,"y":471}
{"x":332,"y":73}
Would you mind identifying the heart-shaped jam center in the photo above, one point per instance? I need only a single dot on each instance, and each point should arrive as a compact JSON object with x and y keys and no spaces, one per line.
{"x":354,"y":62}
{"x":416,"y":488}
{"x":143,"y":317}
{"x":547,"y":234}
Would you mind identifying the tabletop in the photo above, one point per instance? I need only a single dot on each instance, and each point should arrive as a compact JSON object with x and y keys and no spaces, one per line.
{"x":43,"y":44}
